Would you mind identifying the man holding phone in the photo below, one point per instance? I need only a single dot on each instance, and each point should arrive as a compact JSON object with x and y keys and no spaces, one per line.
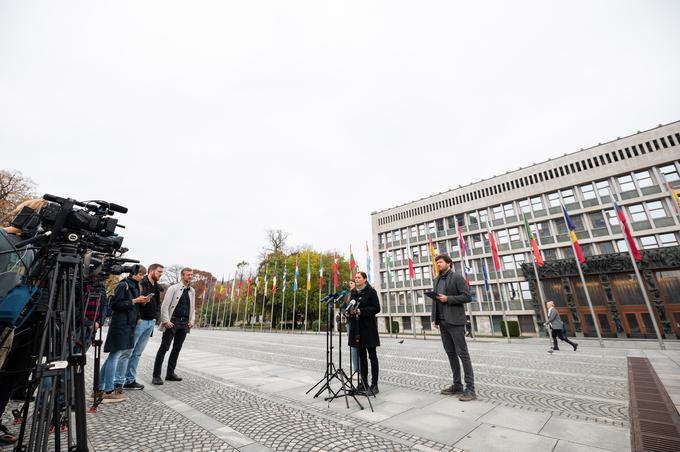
{"x":149,"y":312}
{"x":448,"y":314}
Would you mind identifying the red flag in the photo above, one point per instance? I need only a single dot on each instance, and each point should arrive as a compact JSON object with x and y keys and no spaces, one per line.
{"x":352,"y":263}
{"x":494,"y":250}
{"x":248,"y":288}
{"x":335,"y":271}
{"x":240,"y":283}
{"x":629,"y":237}
{"x":411,"y":270}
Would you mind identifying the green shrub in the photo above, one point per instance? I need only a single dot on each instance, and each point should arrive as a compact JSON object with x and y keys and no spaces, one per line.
{"x":513,"y":326}
{"x":395,"y":327}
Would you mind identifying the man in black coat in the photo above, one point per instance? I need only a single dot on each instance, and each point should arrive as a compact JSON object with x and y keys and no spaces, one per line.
{"x":364,"y":329}
{"x":448,"y":314}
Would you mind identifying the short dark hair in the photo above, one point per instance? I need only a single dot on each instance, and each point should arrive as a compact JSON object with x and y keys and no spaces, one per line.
{"x":185,"y":270}
{"x":444,"y":257}
{"x":153,"y":267}
{"x":363,"y":275}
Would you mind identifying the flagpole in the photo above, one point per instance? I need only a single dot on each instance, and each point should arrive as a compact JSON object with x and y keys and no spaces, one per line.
{"x":283,"y":297}
{"x":295,"y":288}
{"x":264,"y":295}
{"x":252,"y":319}
{"x":464,"y":263}
{"x":389,"y":277}
{"x":643,"y":288}
{"x":413,"y":300}
{"x":500,"y":292}
{"x":271,"y":320}
{"x":309,"y":282}
{"x":572,"y":233}
{"x":231,"y":302}
{"x":238,"y":298}
{"x":219,"y":301}
{"x":320,"y":289}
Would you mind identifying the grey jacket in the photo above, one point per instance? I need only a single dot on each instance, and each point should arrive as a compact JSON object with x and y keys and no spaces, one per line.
{"x":458,"y":294}
{"x":171,"y":300}
{"x":554,"y":319}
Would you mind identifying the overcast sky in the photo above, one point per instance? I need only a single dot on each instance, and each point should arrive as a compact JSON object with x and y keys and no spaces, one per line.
{"x":216,"y":120}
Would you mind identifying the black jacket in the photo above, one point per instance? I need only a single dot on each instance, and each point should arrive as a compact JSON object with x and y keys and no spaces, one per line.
{"x":152,"y":309}
{"x":458,"y":293}
{"x":124,"y":317}
{"x":364,"y":328}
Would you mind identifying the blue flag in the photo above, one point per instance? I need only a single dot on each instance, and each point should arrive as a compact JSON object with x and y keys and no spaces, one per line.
{"x":486,"y":276}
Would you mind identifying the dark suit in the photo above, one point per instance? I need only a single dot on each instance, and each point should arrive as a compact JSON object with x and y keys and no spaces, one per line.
{"x":364,"y":331}
{"x":451,"y":318}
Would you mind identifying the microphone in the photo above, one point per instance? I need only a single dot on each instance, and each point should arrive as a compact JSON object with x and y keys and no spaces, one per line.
{"x":334,"y":296}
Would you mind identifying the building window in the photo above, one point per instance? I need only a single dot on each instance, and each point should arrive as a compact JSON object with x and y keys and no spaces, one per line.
{"x":637,"y":213}
{"x":397,"y":234}
{"x":561,"y":226}
{"x":597,"y":220}
{"x":612,"y":217}
{"x":432,"y":227}
{"x":537,"y":203}
{"x":526,"y":292}
{"x":578,"y":222}
{"x":543,"y":229}
{"x":502,"y":236}
{"x":389,"y":236}
{"x":524,"y":206}
{"x":550,"y":254}
{"x":554,"y":199}
{"x":513,"y":233}
{"x":602,"y":188}
{"x":670,"y":173}
{"x":418,"y":273}
{"x":461,"y":220}
{"x":606,"y":247}
{"x":474,"y":219}
{"x":519,"y":260}
{"x":622,"y":245}
{"x":483,"y":217}
{"x":668,"y":239}
{"x":415,"y":252}
{"x":398,"y":254}
{"x":414,"y":231}
{"x":513,"y":291}
{"x":477,"y":240}
{"x":656,"y":209}
{"x":626,"y":183}
{"x":439,"y":224}
{"x":508,"y":263}
{"x":644,"y":179}
{"x":586,"y":249}
{"x":568,"y":196}
{"x":587,"y":191}
{"x":509,"y":210}
{"x":648,"y":241}
{"x":421,"y":229}
{"x":497,"y":213}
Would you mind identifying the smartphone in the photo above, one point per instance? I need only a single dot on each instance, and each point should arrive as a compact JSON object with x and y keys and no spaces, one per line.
{"x":150,"y":295}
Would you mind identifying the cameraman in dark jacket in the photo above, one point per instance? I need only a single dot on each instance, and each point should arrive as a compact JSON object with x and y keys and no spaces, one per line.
{"x":448,"y":314}
{"x":364,"y":329}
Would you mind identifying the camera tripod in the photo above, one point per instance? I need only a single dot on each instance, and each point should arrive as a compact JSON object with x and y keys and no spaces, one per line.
{"x":347,"y":388}
{"x":58,"y":375}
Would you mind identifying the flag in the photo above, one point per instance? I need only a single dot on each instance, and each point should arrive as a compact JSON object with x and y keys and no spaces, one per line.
{"x":266,"y":281}
{"x":335,"y":271}
{"x":276,"y":271}
{"x":248,"y":287}
{"x":320,"y":272}
{"x":411,"y":270}
{"x":433,"y":254}
{"x":463,"y":253}
{"x":629,"y":237}
{"x":240,"y":284}
{"x":388,"y":260}
{"x":572,"y":234}
{"x":675,"y":195}
{"x":368,"y":263}
{"x":534,"y":243}
{"x":295,"y":286}
{"x":283,"y":279}
{"x":206,"y":294}
{"x":352,"y":263}
{"x":221,"y":289}
{"x":486,"y":276}
{"x":309,"y":274}
{"x":494,"y":250}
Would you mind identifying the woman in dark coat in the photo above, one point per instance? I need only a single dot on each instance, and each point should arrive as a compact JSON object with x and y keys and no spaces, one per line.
{"x":364,"y":329}
{"x":121,"y":335}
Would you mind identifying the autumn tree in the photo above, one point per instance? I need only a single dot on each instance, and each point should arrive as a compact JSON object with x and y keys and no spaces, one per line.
{"x":14,"y":189}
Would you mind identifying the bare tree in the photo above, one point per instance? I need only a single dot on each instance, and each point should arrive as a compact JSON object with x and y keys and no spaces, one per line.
{"x":14,"y":188}
{"x":172,"y":274}
{"x":276,"y":243}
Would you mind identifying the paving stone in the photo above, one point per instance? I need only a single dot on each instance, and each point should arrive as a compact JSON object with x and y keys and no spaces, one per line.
{"x":488,"y":438}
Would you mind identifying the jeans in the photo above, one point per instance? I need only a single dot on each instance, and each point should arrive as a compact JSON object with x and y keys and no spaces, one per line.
{"x":126,"y":372}
{"x":108,"y":371}
{"x":174,"y":336}
{"x":453,"y":338}
{"x":354,"y":353}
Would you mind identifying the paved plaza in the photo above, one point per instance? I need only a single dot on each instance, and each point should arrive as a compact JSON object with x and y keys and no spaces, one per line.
{"x":246,"y":391}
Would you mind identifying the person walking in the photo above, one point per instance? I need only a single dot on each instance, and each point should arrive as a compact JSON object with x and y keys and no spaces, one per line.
{"x":448,"y":314}
{"x":177,"y":319}
{"x":557,"y":327}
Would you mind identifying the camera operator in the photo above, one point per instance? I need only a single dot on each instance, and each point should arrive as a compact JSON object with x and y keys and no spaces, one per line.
{"x":126,"y":374}
{"x":121,"y":335}
{"x":364,"y":329}
{"x":20,"y":359}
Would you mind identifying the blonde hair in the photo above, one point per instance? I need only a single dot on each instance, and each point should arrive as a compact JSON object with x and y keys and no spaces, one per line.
{"x":35,"y":204}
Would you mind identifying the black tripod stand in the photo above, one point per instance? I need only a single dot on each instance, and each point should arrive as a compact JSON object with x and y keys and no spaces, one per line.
{"x":347,"y":388}
{"x":59,"y":372}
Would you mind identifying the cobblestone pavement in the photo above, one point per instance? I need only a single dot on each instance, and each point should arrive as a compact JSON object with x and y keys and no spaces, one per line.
{"x":588,"y":385}
{"x":206,"y":412}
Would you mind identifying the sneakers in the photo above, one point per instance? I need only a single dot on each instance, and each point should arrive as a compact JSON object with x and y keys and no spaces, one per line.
{"x":468,"y":396}
{"x":452,"y":390}
{"x":575,"y":347}
{"x":173,"y":377}
{"x":157,"y":381}
{"x":133,"y":385}
{"x":6,"y":438}
{"x":114,"y":397}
